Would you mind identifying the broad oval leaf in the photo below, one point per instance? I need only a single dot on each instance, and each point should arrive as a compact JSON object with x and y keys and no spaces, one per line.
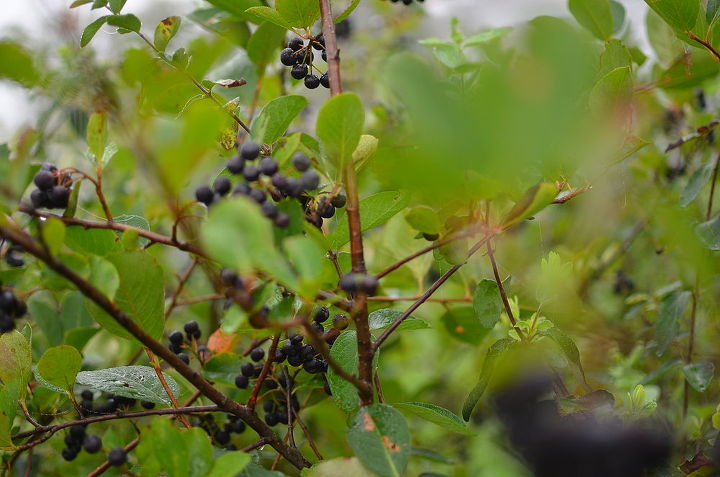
{"x":127,"y":22}
{"x":276,"y":116}
{"x":435,"y":414}
{"x":375,"y":210}
{"x":493,"y":353}
{"x":613,"y":92}
{"x":699,"y":375}
{"x":463,"y":323}
{"x":679,"y":14}
{"x":15,"y":358}
{"x":89,"y":32}
{"x":487,"y":303}
{"x":667,"y":326}
{"x":383,"y":318}
{"x":339,"y":126}
{"x":267,"y":14}
{"x":165,"y":31}
{"x":533,"y":201}
{"x":380,"y":438}
{"x":709,"y":233}
{"x":59,"y":366}
{"x":595,"y":15}
{"x":344,"y":353}
{"x":299,"y":13}
{"x":424,"y":219}
{"x":97,"y":134}
{"x":137,"y":382}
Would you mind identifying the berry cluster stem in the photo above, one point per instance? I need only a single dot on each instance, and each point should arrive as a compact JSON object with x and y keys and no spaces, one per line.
{"x":331,"y":48}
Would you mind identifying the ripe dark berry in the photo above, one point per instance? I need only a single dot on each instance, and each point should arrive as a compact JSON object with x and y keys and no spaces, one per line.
{"x":269,"y":210}
{"x":229,"y":277}
{"x":323,"y":55}
{"x":147,"y":404}
{"x":279,"y":181}
{"x":349,"y":282}
{"x":251,"y":173}
{"x":12,"y":257}
{"x":287,"y":57}
{"x":313,"y":366}
{"x":268,"y":166}
{"x":271,"y":419}
{"x":322,"y":314}
{"x":59,"y":196}
{"x":184,"y":358}
{"x":326,"y":211}
{"x":301,"y":162}
{"x":87,"y":395}
{"x":235,"y":165}
{"x":250,"y":150}
{"x":294,"y":187}
{"x":192,"y":329}
{"x":77,"y":432}
{"x":247,"y":369}
{"x":38,"y":198}
{"x":175,"y":348}
{"x":340,"y":322}
{"x":237,"y":427}
{"x":8,"y":301}
{"x":282,"y":220}
{"x":339,"y":200}
{"x":222,"y":437}
{"x":319,"y":329}
{"x":243,"y":188}
{"x":310,"y":180}
{"x":369,"y":284}
{"x":296,"y":339}
{"x":257,"y":354}
{"x":312,"y":81}
{"x":6,"y":323}
{"x":295,"y":43}
{"x":222,"y":185}
{"x":318,"y":42}
{"x":44,"y":180}
{"x":87,"y":405}
{"x":92,"y":444}
{"x":69,"y":454}
{"x":299,"y":71}
{"x":268,"y":406}
{"x":204,"y":194}
{"x":176,"y":337}
{"x":48,"y":167}
{"x":325,"y":79}
{"x":242,"y":381}
{"x":117,"y":456}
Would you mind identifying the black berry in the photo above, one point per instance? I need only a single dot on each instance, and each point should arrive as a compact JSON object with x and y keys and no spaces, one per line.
{"x":268,"y":166}
{"x":222,"y":185}
{"x":299,"y":71}
{"x":117,"y":456}
{"x":287,"y":57}
{"x":44,"y":180}
{"x":242,"y":381}
{"x":257,"y":354}
{"x":92,"y":444}
{"x":251,"y":173}
{"x":147,"y":404}
{"x":312,"y":81}
{"x":295,"y":43}
{"x":176,"y":337}
{"x":310,"y":180}
{"x":250,"y":150}
{"x":204,"y":194}
{"x":301,"y":162}
{"x":235,"y":165}
{"x":322,"y":314}
{"x":339,"y":200}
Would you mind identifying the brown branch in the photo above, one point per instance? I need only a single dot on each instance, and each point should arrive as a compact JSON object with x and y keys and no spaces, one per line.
{"x":331,"y":49}
{"x":199,"y":299}
{"x":503,"y":293}
{"x":181,"y":284}
{"x":89,"y":224}
{"x":713,"y":180}
{"x":705,"y":44}
{"x":462,"y":299}
{"x":201,"y":384}
{"x":156,"y":366}
{"x":425,"y":296}
{"x":263,"y":374}
{"x":700,"y":132}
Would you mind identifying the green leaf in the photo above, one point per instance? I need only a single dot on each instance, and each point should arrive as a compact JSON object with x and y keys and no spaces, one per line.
{"x":47,"y":320}
{"x":709,"y":233}
{"x":383,"y":318}
{"x":117,"y":5}
{"x":339,"y":126}
{"x":16,"y":64}
{"x":59,"y":366}
{"x":42,"y":382}
{"x":170,"y":448}
{"x":78,"y":3}
{"x":463,"y":323}
{"x":235,"y":7}
{"x":344,"y":353}
{"x":594,"y":15}
{"x":137,"y":382}
{"x":229,"y":464}
{"x":435,"y":414}
{"x":493,"y":353}
{"x":89,"y":32}
{"x":380,"y":438}
{"x":367,"y":147}
{"x":165,"y":31}
{"x":265,"y":41}
{"x":711,"y":11}
{"x":487,"y":303}
{"x":375,"y":210}
{"x":140,"y":295}
{"x":535,"y":199}
{"x":613,"y":92}
{"x":199,"y":450}
{"x":10,"y":393}
{"x":128,"y":22}
{"x":567,"y":346}
{"x":299,"y":13}
{"x":97,"y":134}
{"x":424,"y":219}
{"x":616,"y":55}
{"x":309,"y":261}
{"x":667,"y":326}
{"x":485,"y":36}
{"x":618,"y":14}
{"x":104,"y":275}
{"x":254,"y":470}
{"x":240,"y":222}
{"x":268,"y":14}
{"x":53,"y":234}
{"x":223,"y":368}
{"x":344,"y":466}
{"x":696,"y":183}
{"x":679,"y":14}
{"x":351,"y":8}
{"x":276,"y":116}
{"x":699,"y":375}
{"x":15,"y":359}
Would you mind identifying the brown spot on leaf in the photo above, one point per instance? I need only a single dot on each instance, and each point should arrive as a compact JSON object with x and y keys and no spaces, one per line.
{"x":459,"y":329}
{"x":368,"y":423}
{"x":392,"y":447}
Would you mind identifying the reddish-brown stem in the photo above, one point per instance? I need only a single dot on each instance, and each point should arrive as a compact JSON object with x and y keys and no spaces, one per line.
{"x":99,"y":470}
{"x":156,"y":366}
{"x":181,"y":284}
{"x":715,"y":53}
{"x":331,"y":48}
{"x":269,"y":360}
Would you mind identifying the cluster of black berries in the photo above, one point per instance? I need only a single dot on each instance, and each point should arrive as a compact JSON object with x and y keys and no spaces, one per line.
{"x":112,"y":404}
{"x":13,"y":256}
{"x":78,"y":439}
{"x":358,"y":282}
{"x":221,"y":436}
{"x":263,"y":182}
{"x":178,"y":340}
{"x":300,"y":56}
{"x":53,"y":188}
{"x":11,"y":307}
{"x":575,"y":444}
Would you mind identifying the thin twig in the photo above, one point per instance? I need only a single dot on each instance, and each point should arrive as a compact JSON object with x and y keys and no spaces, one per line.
{"x":263,"y":374}
{"x":156,"y":366}
{"x":181,"y":284}
{"x":99,"y":470}
{"x":501,"y":289}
